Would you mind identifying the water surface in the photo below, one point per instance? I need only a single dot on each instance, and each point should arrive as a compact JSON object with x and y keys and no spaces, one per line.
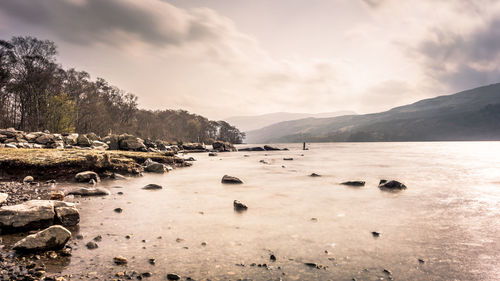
{"x":449,"y":216}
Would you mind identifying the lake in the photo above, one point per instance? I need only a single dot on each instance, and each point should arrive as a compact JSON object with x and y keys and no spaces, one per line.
{"x":449,"y":217}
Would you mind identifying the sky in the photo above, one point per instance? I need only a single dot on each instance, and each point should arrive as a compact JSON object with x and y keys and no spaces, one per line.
{"x":222,"y":58}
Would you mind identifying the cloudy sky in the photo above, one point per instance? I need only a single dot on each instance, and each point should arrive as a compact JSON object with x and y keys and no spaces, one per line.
{"x":221,"y":58}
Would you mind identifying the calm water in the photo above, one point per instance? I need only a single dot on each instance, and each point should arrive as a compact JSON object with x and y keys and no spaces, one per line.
{"x":449,"y":216}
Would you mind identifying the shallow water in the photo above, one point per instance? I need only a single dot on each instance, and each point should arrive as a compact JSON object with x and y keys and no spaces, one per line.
{"x":449,"y":216}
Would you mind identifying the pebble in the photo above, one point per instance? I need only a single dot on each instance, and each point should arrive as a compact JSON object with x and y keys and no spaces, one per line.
{"x":119,"y":260}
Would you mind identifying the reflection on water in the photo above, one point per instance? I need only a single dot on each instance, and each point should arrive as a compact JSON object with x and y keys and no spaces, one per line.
{"x":448,"y":216}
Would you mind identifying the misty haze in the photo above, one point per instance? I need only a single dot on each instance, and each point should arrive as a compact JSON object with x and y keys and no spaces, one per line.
{"x":249,"y":140}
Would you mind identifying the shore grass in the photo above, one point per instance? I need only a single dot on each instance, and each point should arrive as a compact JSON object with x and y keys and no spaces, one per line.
{"x":54,"y":163}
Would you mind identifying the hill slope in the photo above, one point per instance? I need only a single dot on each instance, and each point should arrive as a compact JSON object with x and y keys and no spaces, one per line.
{"x":249,"y":123}
{"x":468,"y":115}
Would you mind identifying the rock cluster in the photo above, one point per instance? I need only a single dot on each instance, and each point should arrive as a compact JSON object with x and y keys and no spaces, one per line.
{"x":264,"y":148}
{"x":222,"y":146}
{"x":12,"y":138}
{"x":37,"y":214}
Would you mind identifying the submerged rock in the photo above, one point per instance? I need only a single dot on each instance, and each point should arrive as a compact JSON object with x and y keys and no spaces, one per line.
{"x":91,"y":245}
{"x":90,"y":191}
{"x":288,"y":158}
{"x":238,"y":206}
{"x":87,"y":176}
{"x":391,"y":185}
{"x":52,"y":238}
{"x":314,"y":175}
{"x":231,"y":179}
{"x":354,"y":183}
{"x":152,"y":186}
{"x":173,"y":276}
{"x":212,"y":154}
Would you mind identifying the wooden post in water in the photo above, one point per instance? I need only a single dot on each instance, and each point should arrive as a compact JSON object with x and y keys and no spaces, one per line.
{"x":304,"y":146}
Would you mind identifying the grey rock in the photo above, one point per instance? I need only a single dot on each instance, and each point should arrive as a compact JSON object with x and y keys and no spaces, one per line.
{"x":391,"y":185}
{"x":87,"y":176}
{"x":45,"y":139}
{"x":92,"y":245}
{"x":83,"y":141}
{"x":91,"y":191}
{"x":10,"y":145}
{"x":231,"y":180}
{"x":116,"y":176}
{"x":354,"y":183}
{"x":54,"y":237}
{"x":238,"y":206}
{"x":173,"y":276}
{"x":222,"y":146}
{"x":29,"y":215}
{"x":67,"y":215}
{"x":156,"y":168}
{"x":152,"y":186}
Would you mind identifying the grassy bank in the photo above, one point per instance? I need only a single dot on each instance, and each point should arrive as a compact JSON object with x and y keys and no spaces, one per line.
{"x":52,"y":163}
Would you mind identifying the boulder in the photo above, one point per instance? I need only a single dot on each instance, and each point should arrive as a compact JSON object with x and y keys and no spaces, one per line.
{"x":93,"y":137}
{"x":391,"y":185}
{"x":288,"y":158}
{"x":87,"y":176}
{"x":152,"y":186}
{"x":32,"y":214}
{"x":99,"y":145}
{"x":112,"y":141}
{"x":194,"y":146}
{"x":354,"y":183}
{"x":238,"y":206}
{"x":156,"y":168}
{"x":52,"y":238}
{"x":31,"y":137}
{"x":231,"y":180}
{"x":83,"y":141}
{"x":3,"y":197}
{"x":129,"y":142}
{"x":314,"y":175}
{"x":70,"y":139}
{"x":2,"y":138}
{"x":10,"y":145}
{"x":212,"y":154}
{"x":222,"y":146}
{"x":67,"y":215}
{"x":45,"y":139}
{"x":91,"y":191}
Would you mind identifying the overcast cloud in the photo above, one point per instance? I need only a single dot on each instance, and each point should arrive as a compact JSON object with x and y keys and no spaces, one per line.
{"x":222,"y":57}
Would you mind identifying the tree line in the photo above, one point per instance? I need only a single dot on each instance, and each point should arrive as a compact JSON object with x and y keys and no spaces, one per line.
{"x":37,"y":94}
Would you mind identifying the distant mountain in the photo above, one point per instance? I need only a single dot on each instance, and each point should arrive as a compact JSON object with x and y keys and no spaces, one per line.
{"x":468,"y":115}
{"x":248,"y":123}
